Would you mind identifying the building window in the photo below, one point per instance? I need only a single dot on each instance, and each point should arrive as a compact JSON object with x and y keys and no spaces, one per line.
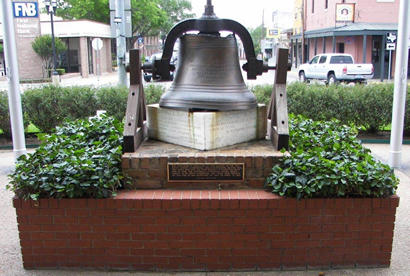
{"x":326,"y":4}
{"x":313,"y":6}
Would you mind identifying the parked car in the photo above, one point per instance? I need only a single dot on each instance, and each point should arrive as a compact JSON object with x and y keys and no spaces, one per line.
{"x":158,"y":56}
{"x":335,"y":68}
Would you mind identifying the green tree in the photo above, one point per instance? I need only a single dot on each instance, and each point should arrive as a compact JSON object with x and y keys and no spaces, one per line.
{"x":97,"y":10}
{"x":257,"y":35}
{"x":42,"y":45}
{"x":176,"y":10}
{"x":149,"y":17}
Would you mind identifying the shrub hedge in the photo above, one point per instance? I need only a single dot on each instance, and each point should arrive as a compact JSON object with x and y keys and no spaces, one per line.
{"x":4,"y":114}
{"x":327,"y":160}
{"x":49,"y":106}
{"x":5,"y":125}
{"x":368,"y":107}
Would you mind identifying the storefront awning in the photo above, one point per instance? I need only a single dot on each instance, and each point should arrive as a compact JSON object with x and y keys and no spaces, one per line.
{"x":351,"y":30}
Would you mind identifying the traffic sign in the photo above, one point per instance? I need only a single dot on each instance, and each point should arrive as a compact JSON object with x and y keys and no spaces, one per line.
{"x":390,"y":46}
{"x":97,"y":44}
{"x":391,"y":37}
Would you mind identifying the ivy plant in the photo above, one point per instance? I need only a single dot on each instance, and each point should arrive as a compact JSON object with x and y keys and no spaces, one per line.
{"x":326,"y":159}
{"x":81,"y":159}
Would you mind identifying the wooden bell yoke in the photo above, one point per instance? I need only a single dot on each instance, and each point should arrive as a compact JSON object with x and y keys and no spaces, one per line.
{"x":136,"y":115}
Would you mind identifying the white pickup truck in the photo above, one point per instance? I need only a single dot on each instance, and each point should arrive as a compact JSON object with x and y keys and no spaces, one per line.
{"x":335,"y":68}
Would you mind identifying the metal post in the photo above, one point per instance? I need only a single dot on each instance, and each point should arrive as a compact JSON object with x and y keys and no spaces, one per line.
{"x":119,"y":14}
{"x":296,"y":53}
{"x":364,"y":48}
{"x":12,"y":73}
{"x":53,"y":46}
{"x":383,"y":56}
{"x":400,"y":86}
{"x":389,"y":73}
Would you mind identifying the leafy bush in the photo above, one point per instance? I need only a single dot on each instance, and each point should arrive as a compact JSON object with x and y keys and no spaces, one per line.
{"x":4,"y":114}
{"x":50,"y":105}
{"x":326,"y":160}
{"x":5,"y":124}
{"x":262,"y":93}
{"x":153,"y":93}
{"x":366,"y":106}
{"x":113,"y":100}
{"x":81,"y":159}
{"x":60,"y":71}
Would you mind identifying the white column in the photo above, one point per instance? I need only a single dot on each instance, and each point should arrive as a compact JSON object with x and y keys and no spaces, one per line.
{"x":12,"y":72}
{"x":400,"y":86}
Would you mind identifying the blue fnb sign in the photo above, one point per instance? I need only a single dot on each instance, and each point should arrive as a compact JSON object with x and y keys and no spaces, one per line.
{"x":25,"y":9}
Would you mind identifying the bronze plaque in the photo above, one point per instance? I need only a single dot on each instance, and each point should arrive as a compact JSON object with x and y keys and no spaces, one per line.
{"x":199,"y":172}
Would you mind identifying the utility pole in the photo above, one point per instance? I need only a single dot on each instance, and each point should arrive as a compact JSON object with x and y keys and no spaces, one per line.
{"x":51,"y":6}
{"x":120,"y":39}
{"x":12,"y":73}
{"x":400,"y":86}
{"x":262,"y":31}
{"x":303,"y":31}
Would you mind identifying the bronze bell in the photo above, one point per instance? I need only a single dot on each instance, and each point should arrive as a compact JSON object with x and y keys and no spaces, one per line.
{"x":208,"y":76}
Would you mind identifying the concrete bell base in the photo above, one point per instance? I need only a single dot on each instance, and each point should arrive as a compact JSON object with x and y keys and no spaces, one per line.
{"x":206,"y":130}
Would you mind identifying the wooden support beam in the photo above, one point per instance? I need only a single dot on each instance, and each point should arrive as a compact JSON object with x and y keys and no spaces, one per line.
{"x":135,"y":116}
{"x":278,"y":105}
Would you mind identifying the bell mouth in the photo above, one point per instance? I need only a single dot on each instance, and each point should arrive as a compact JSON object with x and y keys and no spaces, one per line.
{"x":208,"y":76}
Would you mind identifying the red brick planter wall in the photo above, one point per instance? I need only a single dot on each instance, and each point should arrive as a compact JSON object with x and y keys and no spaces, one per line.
{"x":205,"y":230}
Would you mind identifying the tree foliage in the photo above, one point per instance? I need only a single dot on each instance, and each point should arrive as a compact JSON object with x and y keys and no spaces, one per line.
{"x":42,"y":45}
{"x":97,"y":10}
{"x":176,"y":11}
{"x":257,"y":35}
{"x":149,"y":17}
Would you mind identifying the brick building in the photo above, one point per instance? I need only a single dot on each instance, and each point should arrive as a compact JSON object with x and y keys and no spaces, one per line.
{"x":80,"y":57}
{"x":359,"y":28}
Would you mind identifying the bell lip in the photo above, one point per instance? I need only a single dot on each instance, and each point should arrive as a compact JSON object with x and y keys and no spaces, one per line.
{"x":211,"y":107}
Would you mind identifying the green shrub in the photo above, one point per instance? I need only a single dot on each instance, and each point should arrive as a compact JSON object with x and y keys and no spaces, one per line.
{"x":407,"y":113}
{"x":153,"y":93}
{"x":60,"y":71}
{"x":5,"y":124}
{"x":326,"y":160}
{"x":113,"y":100}
{"x":50,"y":105}
{"x":262,"y":93}
{"x":81,"y":159}
{"x":4,"y":114}
{"x":366,"y":106}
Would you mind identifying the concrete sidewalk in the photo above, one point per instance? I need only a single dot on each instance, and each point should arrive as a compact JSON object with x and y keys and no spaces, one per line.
{"x":10,"y":255}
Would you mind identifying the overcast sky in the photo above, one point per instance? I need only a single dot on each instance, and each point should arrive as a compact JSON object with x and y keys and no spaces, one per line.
{"x":247,"y":12}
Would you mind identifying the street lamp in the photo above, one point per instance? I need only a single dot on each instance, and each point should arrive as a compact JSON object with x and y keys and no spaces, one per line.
{"x":51,"y":6}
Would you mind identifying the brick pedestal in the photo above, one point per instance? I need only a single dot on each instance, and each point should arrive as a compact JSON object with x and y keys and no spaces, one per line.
{"x":205,"y":230}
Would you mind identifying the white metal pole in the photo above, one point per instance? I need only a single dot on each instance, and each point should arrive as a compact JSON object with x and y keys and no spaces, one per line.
{"x":12,"y":73}
{"x":119,"y":14}
{"x":390,"y":61}
{"x":400,"y":86}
